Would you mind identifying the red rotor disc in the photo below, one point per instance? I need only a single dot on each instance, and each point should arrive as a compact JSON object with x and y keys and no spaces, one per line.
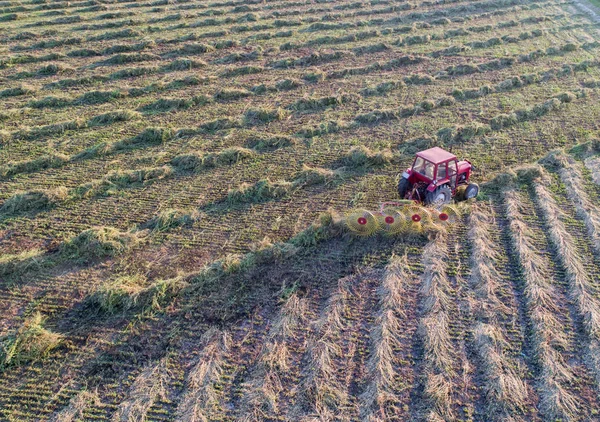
{"x":389,"y":219}
{"x":444,"y":216}
{"x":416,"y":218}
{"x":362,"y":221}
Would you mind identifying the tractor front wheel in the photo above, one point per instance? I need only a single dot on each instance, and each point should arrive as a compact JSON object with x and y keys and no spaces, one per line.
{"x":440,"y":196}
{"x":471,"y":191}
{"x":404,"y":186}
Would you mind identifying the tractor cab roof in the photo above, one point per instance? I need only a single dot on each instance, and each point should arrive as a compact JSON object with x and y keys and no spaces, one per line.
{"x":436,"y":155}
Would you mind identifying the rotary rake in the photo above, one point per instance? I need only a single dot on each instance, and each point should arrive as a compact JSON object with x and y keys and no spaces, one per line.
{"x":395,"y":218}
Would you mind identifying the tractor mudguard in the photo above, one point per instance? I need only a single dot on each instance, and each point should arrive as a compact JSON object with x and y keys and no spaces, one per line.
{"x":432,"y":187}
{"x":464,"y":166}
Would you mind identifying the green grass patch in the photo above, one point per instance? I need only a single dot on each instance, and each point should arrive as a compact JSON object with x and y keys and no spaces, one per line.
{"x":30,"y":342}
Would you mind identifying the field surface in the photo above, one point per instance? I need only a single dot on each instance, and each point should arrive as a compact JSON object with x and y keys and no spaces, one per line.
{"x":173,"y":180}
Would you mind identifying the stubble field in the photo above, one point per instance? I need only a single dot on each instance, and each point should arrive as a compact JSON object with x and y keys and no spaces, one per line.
{"x":173,"y":181}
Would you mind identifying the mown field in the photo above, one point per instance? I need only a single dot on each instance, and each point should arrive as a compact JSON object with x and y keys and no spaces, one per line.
{"x":173,"y":180}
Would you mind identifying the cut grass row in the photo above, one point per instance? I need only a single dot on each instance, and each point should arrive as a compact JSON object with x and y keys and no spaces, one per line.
{"x":542,"y":301}
{"x":201,"y":399}
{"x":356,"y":160}
{"x":379,"y":399}
{"x":320,"y":390}
{"x":434,"y":19}
{"x":162,"y":105}
{"x":437,"y":401}
{"x":125,"y":73}
{"x":249,"y":17}
{"x":165,"y":104}
{"x":506,"y":393}
{"x":571,"y":175}
{"x":263,"y":190}
{"x":581,"y":287}
{"x":263,"y":385}
{"x":449,"y":135}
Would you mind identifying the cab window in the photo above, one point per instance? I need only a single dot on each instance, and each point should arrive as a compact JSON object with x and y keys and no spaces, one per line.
{"x":442,"y":172}
{"x":424,"y":167}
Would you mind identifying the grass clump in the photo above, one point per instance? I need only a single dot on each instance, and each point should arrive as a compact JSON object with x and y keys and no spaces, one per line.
{"x":370,"y":49}
{"x":98,"y":97}
{"x":117,"y":295}
{"x":121,"y":180}
{"x":503,"y":120}
{"x":227,"y":157}
{"x":51,"y":69}
{"x":195,"y":48}
{"x":150,"y":136}
{"x":17,"y":91}
{"x":416,"y":39}
{"x":361,"y":156}
{"x":287,"y":84}
{"x":113,"y":117}
{"x":169,"y":219}
{"x":240,"y":57}
{"x":219,"y":124}
{"x":231,"y":94}
{"x":383,"y":88}
{"x":132,"y":293}
{"x":96,"y":243}
{"x":419,"y":79}
{"x":15,"y":266}
{"x":72,"y":82}
{"x":257,"y":116}
{"x":84,"y":52}
{"x":196,"y":162}
{"x":377,"y":116}
{"x":50,"y":102}
{"x":37,"y":164}
{"x":310,"y":176}
{"x":470,"y":94}
{"x":163,"y":105}
{"x":125,"y":33}
{"x":9,"y":17}
{"x":324,"y":128}
{"x":463,"y":69}
{"x":34,"y":200}
{"x":184,"y":64}
{"x":314,"y":76}
{"x":315,"y":104}
{"x":31,"y":342}
{"x":457,"y":134}
{"x":265,"y":143}
{"x":187,"y":162}
{"x":125,"y":58}
{"x":263,"y":190}
{"x":132,"y":72}
{"x":566,"y":97}
{"x":412,"y":147}
{"x":243,"y":70}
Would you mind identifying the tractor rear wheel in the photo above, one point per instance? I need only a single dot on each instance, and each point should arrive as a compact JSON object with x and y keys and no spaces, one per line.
{"x":403,"y":187}
{"x":471,"y":191}
{"x":442,"y":195}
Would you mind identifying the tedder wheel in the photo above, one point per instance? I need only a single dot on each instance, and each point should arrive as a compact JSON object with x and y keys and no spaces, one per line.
{"x":362,"y":222}
{"x":418,"y":216}
{"x":403,"y":187}
{"x":449,"y":214}
{"x":392,"y":221}
{"x":471,"y":191}
{"x":440,"y":196}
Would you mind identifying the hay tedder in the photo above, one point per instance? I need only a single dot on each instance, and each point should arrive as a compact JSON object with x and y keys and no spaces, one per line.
{"x":426,"y":191}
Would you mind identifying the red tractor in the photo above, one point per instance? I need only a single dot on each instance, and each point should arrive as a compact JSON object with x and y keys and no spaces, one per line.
{"x":435,"y":177}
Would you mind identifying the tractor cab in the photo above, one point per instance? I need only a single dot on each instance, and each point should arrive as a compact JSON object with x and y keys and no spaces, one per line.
{"x":435,"y":176}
